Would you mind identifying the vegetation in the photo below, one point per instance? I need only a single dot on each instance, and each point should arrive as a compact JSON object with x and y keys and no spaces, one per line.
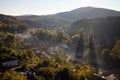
{"x":46,"y":54}
{"x":91,"y":56}
{"x":12,"y":75}
{"x":80,"y":45}
{"x":113,"y":57}
{"x":59,"y":36}
{"x":11,"y":24}
{"x":106,"y":29}
{"x":37,"y":67}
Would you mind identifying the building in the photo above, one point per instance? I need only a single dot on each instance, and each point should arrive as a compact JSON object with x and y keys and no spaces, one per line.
{"x":95,"y":77}
{"x":9,"y":62}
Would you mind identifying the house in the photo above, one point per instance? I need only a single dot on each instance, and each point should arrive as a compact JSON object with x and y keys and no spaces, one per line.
{"x":9,"y":62}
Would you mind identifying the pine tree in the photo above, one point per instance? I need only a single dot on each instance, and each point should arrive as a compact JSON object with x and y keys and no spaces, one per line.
{"x":80,"y":45}
{"x":91,"y":56}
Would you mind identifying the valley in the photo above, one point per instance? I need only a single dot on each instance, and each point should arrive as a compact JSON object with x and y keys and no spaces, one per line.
{"x":76,"y":45}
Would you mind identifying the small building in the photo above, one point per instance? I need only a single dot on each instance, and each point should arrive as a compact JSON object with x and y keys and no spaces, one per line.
{"x":95,"y":77}
{"x":9,"y":62}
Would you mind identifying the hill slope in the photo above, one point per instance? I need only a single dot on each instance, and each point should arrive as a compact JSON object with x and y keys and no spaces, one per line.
{"x":87,"y":12}
{"x":11,"y":24}
{"x":48,"y":21}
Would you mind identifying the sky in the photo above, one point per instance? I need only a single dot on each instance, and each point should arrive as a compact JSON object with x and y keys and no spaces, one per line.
{"x":44,"y":7}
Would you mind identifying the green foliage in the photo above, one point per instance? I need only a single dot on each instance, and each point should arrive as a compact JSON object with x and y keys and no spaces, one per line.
{"x":29,"y":58}
{"x":91,"y":41}
{"x":40,"y":78}
{"x":59,"y":59}
{"x":84,"y":70}
{"x":47,"y":73}
{"x":116,"y":50}
{"x":62,"y":36}
{"x":106,"y":55}
{"x":76,"y":72}
{"x":75,"y":38}
{"x":12,"y":75}
{"x":80,"y":44}
{"x":7,"y":52}
{"x":111,"y":57}
{"x":59,"y":36}
{"x":11,"y":24}
{"x":63,"y":74}
{"x":91,"y":55}
{"x":45,"y":63}
{"x":106,"y":29}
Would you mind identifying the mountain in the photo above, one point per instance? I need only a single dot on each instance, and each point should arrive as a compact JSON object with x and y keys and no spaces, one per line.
{"x":11,"y":24}
{"x":87,"y":12}
{"x":64,"y":19}
{"x":106,"y":30}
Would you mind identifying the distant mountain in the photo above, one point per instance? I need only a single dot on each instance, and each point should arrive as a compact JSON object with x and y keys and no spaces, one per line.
{"x":63,"y":19}
{"x":87,"y":12}
{"x":106,"y":30}
{"x":11,"y":24}
{"x":66,"y":18}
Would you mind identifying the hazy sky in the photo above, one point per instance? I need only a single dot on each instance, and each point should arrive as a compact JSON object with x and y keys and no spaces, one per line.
{"x":43,"y":7}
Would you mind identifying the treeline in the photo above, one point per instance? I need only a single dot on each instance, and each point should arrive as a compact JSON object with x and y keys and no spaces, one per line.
{"x":49,"y":36}
{"x":11,"y":24}
{"x":111,"y":57}
{"x":106,"y":29}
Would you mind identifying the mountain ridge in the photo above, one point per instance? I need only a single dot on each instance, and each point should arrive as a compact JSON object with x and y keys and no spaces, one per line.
{"x":88,"y":12}
{"x":64,"y":19}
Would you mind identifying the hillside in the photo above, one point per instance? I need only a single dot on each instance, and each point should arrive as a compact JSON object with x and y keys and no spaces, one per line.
{"x":48,"y":21}
{"x":11,"y":24}
{"x":106,"y":30}
{"x":87,"y":12}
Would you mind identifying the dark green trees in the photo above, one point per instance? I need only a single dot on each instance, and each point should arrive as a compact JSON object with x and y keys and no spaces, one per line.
{"x":116,"y":50}
{"x":91,"y":51}
{"x":91,"y":56}
{"x":80,"y":45}
{"x":63,"y":74}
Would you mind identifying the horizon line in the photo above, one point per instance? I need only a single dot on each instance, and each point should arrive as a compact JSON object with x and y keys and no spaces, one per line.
{"x":29,"y":14}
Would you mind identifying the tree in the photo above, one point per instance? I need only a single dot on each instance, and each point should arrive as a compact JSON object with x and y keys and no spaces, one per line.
{"x":62,"y":36}
{"x":63,"y":74}
{"x":46,"y":72}
{"x":106,"y":55}
{"x":116,"y":50}
{"x":80,"y":45}
{"x":91,"y":56}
